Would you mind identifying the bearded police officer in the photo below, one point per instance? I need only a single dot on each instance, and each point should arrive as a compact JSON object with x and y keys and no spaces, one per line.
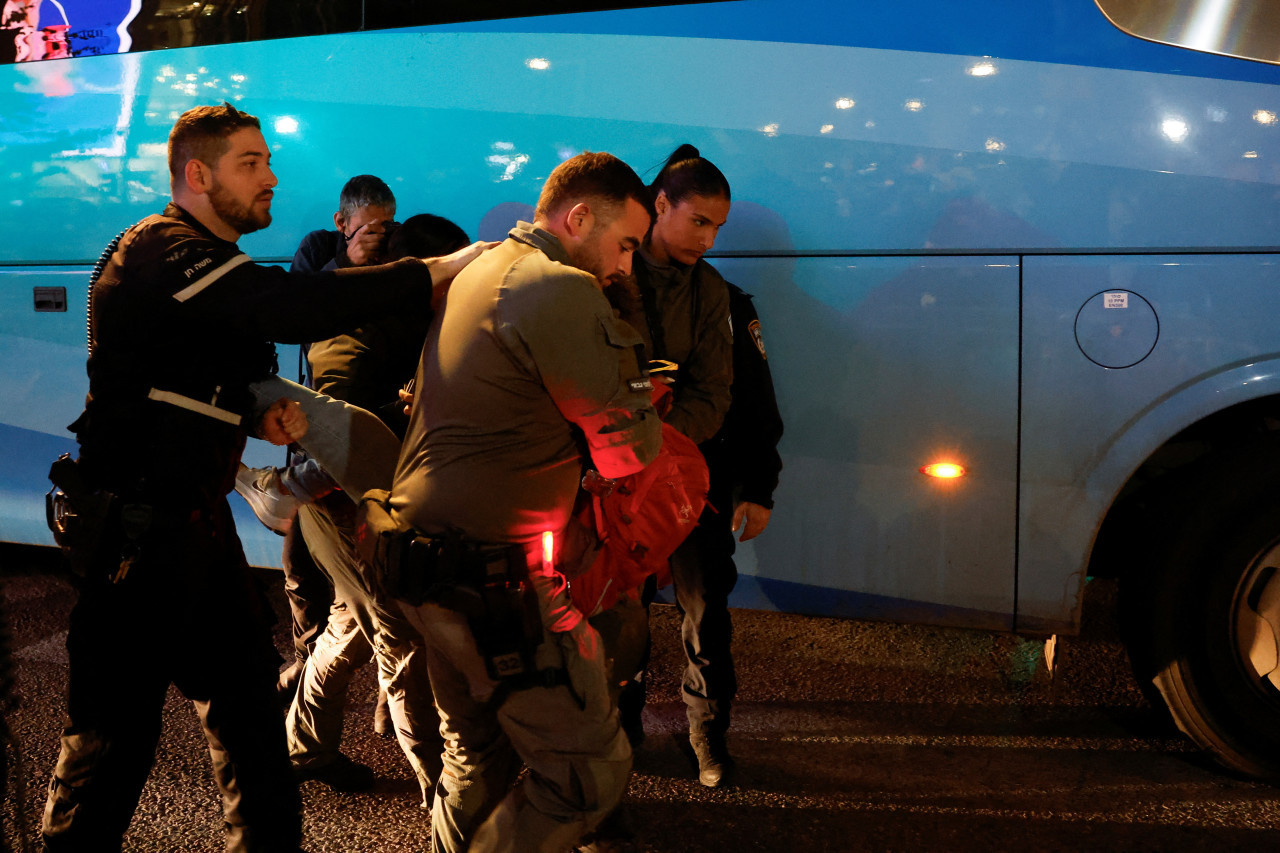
{"x":179,"y":320}
{"x":527,"y":376}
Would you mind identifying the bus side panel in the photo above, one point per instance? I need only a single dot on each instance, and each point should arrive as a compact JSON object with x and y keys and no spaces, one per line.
{"x":855,"y":149}
{"x":883,"y":365}
{"x":1096,"y":404}
{"x":43,"y":386}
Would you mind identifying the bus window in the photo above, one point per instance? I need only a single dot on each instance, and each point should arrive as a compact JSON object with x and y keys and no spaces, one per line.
{"x":34,"y":30}
{"x":1246,"y":29}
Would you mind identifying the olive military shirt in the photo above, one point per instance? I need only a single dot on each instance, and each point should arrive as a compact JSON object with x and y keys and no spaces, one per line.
{"x":682,"y":312}
{"x":526,"y":375}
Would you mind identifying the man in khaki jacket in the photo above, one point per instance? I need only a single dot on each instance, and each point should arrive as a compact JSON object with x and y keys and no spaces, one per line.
{"x":527,"y":376}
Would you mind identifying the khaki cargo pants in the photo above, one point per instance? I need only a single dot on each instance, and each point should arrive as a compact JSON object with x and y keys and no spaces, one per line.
{"x":567,"y":735}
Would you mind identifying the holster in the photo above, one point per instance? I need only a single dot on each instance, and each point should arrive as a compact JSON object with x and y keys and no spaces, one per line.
{"x":77,"y":515}
{"x":488,"y":584}
{"x":508,"y":627}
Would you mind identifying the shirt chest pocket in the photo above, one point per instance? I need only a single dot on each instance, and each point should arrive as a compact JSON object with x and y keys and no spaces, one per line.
{"x":630,"y":350}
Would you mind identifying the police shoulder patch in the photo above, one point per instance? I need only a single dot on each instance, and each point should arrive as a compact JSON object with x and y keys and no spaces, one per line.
{"x":641,"y":384}
{"x":758,"y":337}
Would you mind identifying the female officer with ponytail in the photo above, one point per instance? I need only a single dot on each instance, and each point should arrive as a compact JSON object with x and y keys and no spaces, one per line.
{"x":680,"y":306}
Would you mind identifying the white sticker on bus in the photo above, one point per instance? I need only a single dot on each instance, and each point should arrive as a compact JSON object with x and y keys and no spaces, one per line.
{"x":1116,"y":300}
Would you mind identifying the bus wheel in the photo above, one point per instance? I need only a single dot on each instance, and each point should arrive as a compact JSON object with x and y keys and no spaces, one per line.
{"x":1209,"y":614}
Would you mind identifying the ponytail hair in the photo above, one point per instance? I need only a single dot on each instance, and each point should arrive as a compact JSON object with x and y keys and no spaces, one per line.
{"x":687,"y":173}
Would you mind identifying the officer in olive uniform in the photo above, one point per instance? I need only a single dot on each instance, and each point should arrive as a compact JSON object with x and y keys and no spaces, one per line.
{"x":527,"y":368}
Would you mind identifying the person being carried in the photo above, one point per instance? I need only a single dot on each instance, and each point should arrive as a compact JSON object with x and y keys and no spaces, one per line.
{"x":364,"y":218}
{"x":362,"y":224}
{"x":367,"y":367}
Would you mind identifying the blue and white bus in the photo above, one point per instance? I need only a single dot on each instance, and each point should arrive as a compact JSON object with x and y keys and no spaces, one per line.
{"x":1007,"y":236}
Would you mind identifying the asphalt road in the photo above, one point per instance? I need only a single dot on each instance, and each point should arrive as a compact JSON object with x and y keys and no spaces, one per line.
{"x":850,"y":736}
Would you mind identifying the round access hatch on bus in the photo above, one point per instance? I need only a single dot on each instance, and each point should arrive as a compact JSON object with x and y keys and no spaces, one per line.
{"x":1117,"y":328}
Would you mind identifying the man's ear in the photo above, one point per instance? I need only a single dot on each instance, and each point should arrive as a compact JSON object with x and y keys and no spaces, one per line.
{"x":340,"y":221}
{"x":198,"y":177}
{"x":579,"y":220}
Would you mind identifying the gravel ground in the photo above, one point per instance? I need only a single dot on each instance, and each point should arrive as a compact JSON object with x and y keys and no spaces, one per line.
{"x":850,"y":736}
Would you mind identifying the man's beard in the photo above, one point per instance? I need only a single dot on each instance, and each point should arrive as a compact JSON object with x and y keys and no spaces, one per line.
{"x":587,"y":256}
{"x":241,"y":217}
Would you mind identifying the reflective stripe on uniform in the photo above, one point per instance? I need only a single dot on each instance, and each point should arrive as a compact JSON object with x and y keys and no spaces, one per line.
{"x":194,"y":406}
{"x":209,"y":278}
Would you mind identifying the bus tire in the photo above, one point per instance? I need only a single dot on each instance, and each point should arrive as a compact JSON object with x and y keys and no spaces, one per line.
{"x":1195,"y":615}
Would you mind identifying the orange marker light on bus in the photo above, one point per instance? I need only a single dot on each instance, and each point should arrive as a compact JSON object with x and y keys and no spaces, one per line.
{"x":943,"y":470}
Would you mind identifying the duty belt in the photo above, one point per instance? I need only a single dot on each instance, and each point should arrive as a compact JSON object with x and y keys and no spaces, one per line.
{"x":80,"y":518}
{"x":486,"y":583}
{"x":426,"y":567}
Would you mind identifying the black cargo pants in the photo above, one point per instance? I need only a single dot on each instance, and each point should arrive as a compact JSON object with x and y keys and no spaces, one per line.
{"x":189,"y":613}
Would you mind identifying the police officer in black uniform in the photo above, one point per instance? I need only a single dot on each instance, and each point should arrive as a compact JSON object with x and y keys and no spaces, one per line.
{"x":743,"y":456}
{"x":179,"y":317}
